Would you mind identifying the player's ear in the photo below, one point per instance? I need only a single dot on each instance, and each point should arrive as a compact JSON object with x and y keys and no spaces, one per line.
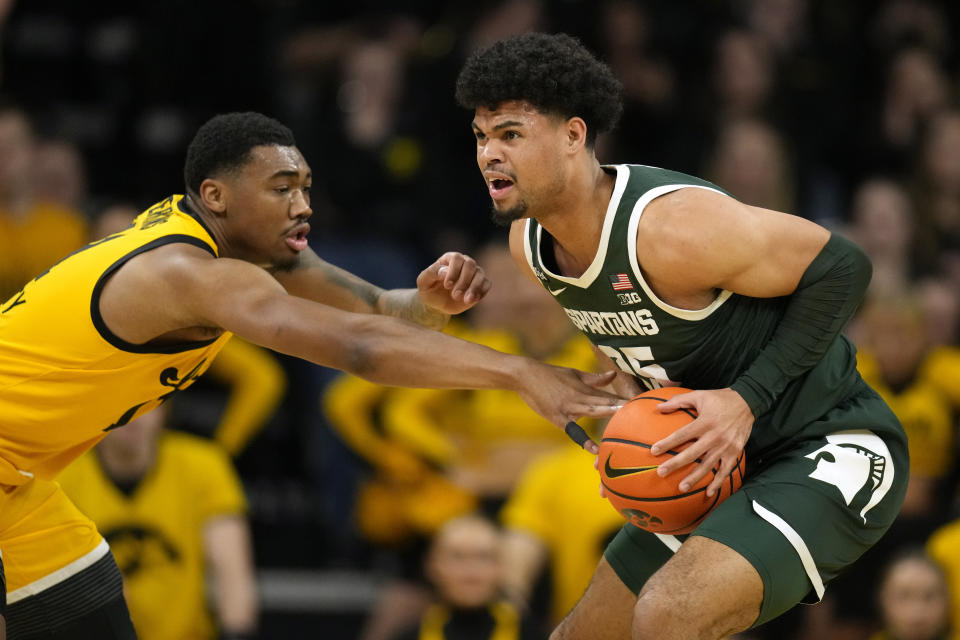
{"x":213,"y":196}
{"x":576,"y":131}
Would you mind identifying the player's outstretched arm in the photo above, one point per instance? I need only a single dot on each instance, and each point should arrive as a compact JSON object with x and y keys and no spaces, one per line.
{"x":451,"y":285}
{"x":719,"y":243}
{"x":179,"y":287}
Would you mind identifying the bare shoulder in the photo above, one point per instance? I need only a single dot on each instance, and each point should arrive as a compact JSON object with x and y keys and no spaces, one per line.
{"x":147,"y":297}
{"x":170,"y":265}
{"x":701,"y":239}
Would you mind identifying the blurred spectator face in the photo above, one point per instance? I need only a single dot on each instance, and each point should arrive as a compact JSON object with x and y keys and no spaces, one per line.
{"x":137,"y":436}
{"x":749,"y":162}
{"x":779,"y":22}
{"x":624,"y":25}
{"x":917,"y":82}
{"x":372,"y":76}
{"x":895,"y":331}
{"x":16,"y":151}
{"x":914,"y":600}
{"x":113,"y":219}
{"x":883,"y":219}
{"x":59,"y":174}
{"x":940,"y":303}
{"x":743,"y":75}
{"x":515,"y":302}
{"x":509,"y":18}
{"x":464,"y":562}
{"x":942,"y":152}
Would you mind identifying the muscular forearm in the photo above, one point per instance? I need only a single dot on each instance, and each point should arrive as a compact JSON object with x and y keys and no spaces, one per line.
{"x":381,"y":349}
{"x":320,"y":281}
{"x":825,"y":299}
{"x":392,"y":352}
{"x":228,"y":549}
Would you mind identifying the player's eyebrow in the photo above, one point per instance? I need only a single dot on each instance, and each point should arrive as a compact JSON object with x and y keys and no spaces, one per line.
{"x":502,"y":125}
{"x":284,"y":173}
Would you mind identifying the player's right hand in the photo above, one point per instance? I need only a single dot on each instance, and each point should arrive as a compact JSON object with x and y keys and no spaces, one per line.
{"x":561,"y":394}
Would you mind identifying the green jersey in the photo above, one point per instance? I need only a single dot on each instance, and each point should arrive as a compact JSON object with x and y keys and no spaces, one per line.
{"x":662,"y":345}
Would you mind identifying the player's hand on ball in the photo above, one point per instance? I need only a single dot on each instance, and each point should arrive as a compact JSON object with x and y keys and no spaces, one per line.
{"x":562,"y":395}
{"x":452,"y":284}
{"x":719,"y":433}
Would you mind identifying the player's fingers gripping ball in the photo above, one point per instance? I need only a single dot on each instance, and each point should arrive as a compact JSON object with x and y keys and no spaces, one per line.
{"x":628,"y":470}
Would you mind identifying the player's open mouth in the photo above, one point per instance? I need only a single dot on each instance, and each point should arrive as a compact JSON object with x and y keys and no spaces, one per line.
{"x":499,"y":187}
{"x":297,"y":238}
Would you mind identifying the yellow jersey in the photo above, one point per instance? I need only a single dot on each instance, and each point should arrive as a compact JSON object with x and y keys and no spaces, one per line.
{"x":926,"y":407}
{"x":156,"y":532}
{"x":65,"y":378}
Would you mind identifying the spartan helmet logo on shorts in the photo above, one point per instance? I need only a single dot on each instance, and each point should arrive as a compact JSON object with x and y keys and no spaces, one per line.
{"x":853,"y":461}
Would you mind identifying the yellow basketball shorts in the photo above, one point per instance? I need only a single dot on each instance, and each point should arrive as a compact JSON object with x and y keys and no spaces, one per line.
{"x":44,"y":539}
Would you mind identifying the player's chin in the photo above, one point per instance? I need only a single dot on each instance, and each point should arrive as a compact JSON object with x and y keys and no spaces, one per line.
{"x":286,"y":262}
{"x":506,"y":216}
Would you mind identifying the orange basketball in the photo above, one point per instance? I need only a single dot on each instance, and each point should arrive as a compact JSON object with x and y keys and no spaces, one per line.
{"x":628,"y":469}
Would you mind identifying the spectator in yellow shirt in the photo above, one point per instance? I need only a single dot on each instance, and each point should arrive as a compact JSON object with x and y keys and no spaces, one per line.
{"x":34,"y":233}
{"x":556,"y":519}
{"x":173,"y":511}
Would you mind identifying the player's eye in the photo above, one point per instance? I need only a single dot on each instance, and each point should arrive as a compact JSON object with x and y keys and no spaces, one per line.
{"x":479,"y":135}
{"x":281,"y":189}
{"x":510,"y":134}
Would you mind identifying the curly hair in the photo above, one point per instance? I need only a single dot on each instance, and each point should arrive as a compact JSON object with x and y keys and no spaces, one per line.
{"x":224,"y":142}
{"x":553,"y":72}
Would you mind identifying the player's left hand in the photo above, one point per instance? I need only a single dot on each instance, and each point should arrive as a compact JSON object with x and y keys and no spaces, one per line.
{"x":717,"y":435}
{"x":452,"y":284}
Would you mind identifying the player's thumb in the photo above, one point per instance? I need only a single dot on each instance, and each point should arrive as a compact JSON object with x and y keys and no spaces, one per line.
{"x":597,"y":380}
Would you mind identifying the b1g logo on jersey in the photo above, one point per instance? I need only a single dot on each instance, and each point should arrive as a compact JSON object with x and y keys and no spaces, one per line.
{"x":857,"y":463}
{"x":628,"y":299}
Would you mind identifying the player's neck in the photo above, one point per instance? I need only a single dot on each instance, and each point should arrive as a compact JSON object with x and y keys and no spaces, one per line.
{"x":577,"y":224}
{"x":213,"y":223}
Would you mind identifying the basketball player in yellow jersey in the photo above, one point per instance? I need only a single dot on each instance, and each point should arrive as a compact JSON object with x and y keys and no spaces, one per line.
{"x":114,"y":329}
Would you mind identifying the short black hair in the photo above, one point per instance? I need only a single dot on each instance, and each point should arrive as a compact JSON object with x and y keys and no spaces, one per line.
{"x":224,"y":142}
{"x":553,"y":72}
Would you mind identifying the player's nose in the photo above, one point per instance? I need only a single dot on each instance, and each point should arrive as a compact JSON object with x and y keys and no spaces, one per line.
{"x":490,"y":153}
{"x":300,"y":206}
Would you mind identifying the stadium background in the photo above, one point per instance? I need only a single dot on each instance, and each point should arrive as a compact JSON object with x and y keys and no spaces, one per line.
{"x":798,"y":105}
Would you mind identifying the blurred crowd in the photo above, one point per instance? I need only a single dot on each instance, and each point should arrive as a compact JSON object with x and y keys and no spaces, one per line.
{"x":846,"y":113}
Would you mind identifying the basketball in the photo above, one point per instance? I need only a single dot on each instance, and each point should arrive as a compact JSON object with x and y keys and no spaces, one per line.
{"x":628,"y":470}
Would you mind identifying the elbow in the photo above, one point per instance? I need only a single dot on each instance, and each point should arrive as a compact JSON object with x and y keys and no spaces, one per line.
{"x":362,"y":348}
{"x":360,"y":358}
{"x":862,"y":268}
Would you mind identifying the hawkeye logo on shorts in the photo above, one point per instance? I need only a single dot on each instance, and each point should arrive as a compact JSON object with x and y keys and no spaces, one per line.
{"x":616,"y":472}
{"x":857,"y":463}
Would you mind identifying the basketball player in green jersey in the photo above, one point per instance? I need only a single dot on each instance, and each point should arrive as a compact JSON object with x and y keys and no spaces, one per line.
{"x":677,"y":283}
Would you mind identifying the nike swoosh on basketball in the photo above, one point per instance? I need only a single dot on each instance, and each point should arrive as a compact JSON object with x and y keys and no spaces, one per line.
{"x":557,"y":292}
{"x":616,"y":472}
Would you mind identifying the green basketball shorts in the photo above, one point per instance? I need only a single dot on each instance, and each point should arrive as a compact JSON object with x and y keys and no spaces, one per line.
{"x":801,"y":517}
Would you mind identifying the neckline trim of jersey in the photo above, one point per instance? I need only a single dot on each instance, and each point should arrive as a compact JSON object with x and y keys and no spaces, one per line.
{"x":586,"y":279}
